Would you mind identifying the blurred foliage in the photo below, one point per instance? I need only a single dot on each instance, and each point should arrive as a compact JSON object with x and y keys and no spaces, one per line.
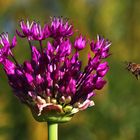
{"x":116,"y":113}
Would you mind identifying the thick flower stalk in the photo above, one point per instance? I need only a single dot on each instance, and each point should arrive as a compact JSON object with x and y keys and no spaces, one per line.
{"x":52,"y":83}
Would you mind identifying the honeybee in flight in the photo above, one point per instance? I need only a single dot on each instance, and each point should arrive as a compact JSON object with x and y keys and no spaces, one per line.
{"x":133,"y":68}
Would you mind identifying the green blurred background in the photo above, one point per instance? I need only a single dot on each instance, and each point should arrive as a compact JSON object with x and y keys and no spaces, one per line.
{"x":116,"y":115}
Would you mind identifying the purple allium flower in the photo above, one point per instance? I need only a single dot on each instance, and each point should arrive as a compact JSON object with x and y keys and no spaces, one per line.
{"x":26,"y":29}
{"x":60,"y":28}
{"x":6,"y":46}
{"x":32,"y":31}
{"x":80,"y":43}
{"x":101,"y":46}
{"x":52,"y":83}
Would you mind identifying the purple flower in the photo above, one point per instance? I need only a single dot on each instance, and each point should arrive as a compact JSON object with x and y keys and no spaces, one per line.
{"x":60,"y":28}
{"x":80,"y":43}
{"x":4,"y":40}
{"x":52,"y":82}
{"x":33,"y":30}
{"x":102,"y":69}
{"x":26,"y":29}
{"x":9,"y":67}
{"x":101,"y":46}
{"x":6,"y":46}
{"x":39,"y":33}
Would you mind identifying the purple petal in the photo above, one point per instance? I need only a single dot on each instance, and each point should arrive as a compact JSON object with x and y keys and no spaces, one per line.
{"x":4,"y":39}
{"x":29,"y":78}
{"x":39,"y":79}
{"x":91,"y":94}
{"x":100,"y":83}
{"x":28,"y":67}
{"x":9,"y":67}
{"x":71,"y":88}
{"x":35,"y":55}
{"x":102,"y":66}
{"x":20,"y":34}
{"x":14,"y":42}
{"x":75,"y":58}
{"x":102,"y":69}
{"x":50,"y":48}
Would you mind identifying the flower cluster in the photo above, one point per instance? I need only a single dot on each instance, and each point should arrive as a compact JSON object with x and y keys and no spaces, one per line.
{"x":52,"y":83}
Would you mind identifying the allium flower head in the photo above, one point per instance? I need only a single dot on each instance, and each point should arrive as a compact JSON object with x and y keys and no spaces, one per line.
{"x":52,"y":83}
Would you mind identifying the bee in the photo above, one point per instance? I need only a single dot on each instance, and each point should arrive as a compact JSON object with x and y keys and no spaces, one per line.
{"x":133,"y":68}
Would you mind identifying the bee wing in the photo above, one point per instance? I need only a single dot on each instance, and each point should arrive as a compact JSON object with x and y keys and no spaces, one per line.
{"x":137,"y":77}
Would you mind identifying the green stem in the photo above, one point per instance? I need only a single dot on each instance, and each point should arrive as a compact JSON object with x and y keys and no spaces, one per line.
{"x":52,"y":131}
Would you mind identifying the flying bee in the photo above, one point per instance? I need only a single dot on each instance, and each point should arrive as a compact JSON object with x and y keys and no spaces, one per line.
{"x":133,"y":68}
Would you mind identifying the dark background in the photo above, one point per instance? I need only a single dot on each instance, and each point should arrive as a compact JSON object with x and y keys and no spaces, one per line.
{"x":116,"y":114}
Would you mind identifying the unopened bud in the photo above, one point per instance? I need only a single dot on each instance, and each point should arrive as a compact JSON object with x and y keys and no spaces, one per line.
{"x":68,"y":100}
{"x":54,"y":101}
{"x":68,"y":108}
{"x":62,"y":99}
